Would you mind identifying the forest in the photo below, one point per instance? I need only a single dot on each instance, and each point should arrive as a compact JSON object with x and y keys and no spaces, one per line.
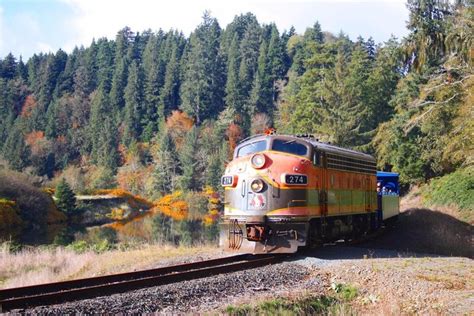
{"x":156,"y":113}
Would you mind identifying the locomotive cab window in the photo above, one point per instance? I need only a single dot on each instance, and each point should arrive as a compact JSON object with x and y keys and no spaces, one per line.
{"x":290,"y":146}
{"x":317,"y":158}
{"x":252,"y":148}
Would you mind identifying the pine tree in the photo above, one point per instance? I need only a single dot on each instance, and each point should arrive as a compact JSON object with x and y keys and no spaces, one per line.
{"x":104,"y":64}
{"x":119,"y":82}
{"x":15,"y":151}
{"x":8,"y":67}
{"x":65,"y":198}
{"x":102,"y":132}
{"x":169,"y":94}
{"x":204,"y":82}
{"x":233,"y":98}
{"x":134,"y":105}
{"x":167,"y":166}
{"x":189,"y":179}
{"x":262,"y":91}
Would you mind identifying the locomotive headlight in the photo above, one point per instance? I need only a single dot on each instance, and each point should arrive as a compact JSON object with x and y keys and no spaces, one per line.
{"x":258,"y":161}
{"x":257,"y":185}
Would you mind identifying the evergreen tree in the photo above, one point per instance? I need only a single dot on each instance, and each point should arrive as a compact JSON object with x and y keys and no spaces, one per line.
{"x":134,"y":105}
{"x":262,"y":91}
{"x":8,"y":67}
{"x":104,"y":64}
{"x":65,"y":197}
{"x":15,"y":151}
{"x":119,"y":82}
{"x":169,"y":94}
{"x":427,"y":21}
{"x":189,"y":179}
{"x":102,"y":132}
{"x":167,"y":166}
{"x":233,"y":98}
{"x":204,"y":82}
{"x":22,"y":70}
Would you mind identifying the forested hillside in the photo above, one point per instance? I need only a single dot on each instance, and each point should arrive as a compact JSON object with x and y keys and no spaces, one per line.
{"x":153,"y":112}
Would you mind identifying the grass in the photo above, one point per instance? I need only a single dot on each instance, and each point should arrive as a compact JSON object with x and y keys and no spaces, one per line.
{"x":335,"y":303}
{"x":44,"y":265}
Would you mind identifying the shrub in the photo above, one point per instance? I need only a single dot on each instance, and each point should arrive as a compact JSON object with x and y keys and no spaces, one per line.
{"x":456,"y":188}
{"x":35,"y":207}
{"x":64,"y":237}
{"x":97,"y":235}
{"x":79,"y":246}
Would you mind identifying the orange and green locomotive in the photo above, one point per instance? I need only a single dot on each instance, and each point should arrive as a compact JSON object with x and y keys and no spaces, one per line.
{"x":283,"y":192}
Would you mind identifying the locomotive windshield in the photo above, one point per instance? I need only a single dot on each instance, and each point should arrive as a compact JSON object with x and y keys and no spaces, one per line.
{"x":252,"y":148}
{"x":289,"y":146}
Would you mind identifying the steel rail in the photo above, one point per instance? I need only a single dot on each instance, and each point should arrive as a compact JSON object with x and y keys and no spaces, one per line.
{"x":60,"y":292}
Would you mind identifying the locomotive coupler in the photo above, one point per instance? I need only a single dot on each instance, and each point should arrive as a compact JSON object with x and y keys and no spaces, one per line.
{"x":256,"y":232}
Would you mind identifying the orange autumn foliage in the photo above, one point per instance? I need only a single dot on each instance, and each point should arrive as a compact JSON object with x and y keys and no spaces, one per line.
{"x":178,"y":124}
{"x":28,"y":106}
{"x":234,"y":134}
{"x":37,"y":142}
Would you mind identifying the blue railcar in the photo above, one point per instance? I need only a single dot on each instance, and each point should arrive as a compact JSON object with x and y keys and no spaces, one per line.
{"x":388,"y":196}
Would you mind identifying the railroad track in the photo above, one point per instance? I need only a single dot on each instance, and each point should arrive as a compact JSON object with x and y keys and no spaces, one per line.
{"x":60,"y":292}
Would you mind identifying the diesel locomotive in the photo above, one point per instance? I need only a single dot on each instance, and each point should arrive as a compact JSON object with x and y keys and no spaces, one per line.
{"x":283,"y":192}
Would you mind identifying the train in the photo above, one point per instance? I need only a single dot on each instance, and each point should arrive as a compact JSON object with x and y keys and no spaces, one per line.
{"x":286,"y":192}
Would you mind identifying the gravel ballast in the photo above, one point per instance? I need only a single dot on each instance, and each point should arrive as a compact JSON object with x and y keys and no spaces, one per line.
{"x":189,"y":296}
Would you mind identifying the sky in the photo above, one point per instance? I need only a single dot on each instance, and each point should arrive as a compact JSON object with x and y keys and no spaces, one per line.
{"x":34,"y":26}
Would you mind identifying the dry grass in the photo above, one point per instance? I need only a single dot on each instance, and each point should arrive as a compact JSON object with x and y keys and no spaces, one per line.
{"x":35,"y":266}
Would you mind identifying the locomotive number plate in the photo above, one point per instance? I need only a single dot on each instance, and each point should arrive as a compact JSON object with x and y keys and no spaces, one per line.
{"x":227,"y":181}
{"x":296,"y":179}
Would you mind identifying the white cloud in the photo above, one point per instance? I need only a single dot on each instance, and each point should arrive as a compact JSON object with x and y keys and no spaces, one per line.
{"x":95,"y":19}
{"x":76,"y":22}
{"x":44,"y":47}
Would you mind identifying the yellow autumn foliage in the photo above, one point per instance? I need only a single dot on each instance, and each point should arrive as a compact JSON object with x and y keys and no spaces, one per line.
{"x":173,"y":206}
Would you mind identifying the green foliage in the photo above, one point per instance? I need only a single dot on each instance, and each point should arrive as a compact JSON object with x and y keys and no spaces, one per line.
{"x":103,"y":178}
{"x":97,"y":239}
{"x":456,"y":188}
{"x":204,"y":82}
{"x":344,"y":291}
{"x":134,"y":105}
{"x":166,"y":167}
{"x":79,"y":246}
{"x":64,"y":237}
{"x":162,"y":228}
{"x":308,"y":305}
{"x":65,"y":197}
{"x":15,"y":151}
{"x":189,"y":179}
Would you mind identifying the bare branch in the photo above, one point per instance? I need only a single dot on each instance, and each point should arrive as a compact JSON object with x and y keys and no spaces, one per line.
{"x":416,"y":120}
{"x":435,"y":102}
